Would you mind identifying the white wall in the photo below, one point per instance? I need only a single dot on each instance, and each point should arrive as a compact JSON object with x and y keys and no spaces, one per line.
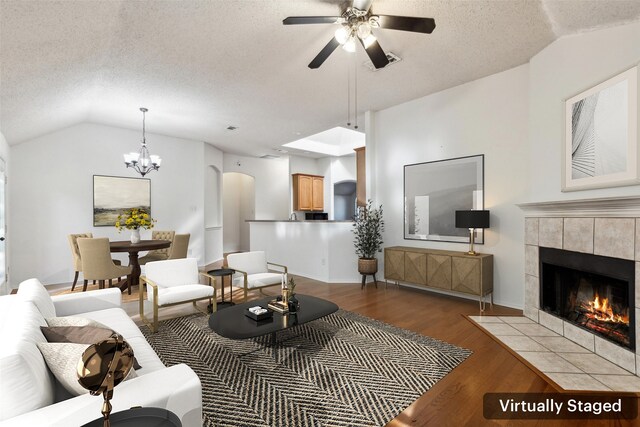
{"x":52,"y":194}
{"x":563,"y":69}
{"x":239,"y":206}
{"x":271,"y":183}
{"x":487,"y":116}
{"x":4,"y":155}
{"x":213,"y":160}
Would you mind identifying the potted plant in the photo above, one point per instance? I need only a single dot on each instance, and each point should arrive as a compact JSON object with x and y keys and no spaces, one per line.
{"x":134,"y":219}
{"x":368,"y":227}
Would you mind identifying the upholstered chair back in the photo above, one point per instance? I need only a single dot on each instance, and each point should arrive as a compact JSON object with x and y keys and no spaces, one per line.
{"x":96,"y":260}
{"x":75,"y":251}
{"x":163,"y":235}
{"x":180,"y":246}
{"x":174,"y":272}
{"x":249,"y":262}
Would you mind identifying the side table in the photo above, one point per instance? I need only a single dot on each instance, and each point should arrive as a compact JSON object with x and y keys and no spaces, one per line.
{"x":140,"y":417}
{"x":222,"y":272}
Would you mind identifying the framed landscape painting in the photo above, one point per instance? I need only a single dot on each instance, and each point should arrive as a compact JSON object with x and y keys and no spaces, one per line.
{"x":112,"y":195}
{"x":601,"y":135}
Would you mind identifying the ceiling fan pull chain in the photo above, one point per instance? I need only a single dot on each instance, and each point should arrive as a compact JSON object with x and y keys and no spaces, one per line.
{"x":355,"y":93}
{"x":348,"y":96}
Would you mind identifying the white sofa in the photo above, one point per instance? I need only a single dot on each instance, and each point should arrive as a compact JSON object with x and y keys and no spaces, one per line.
{"x":30,"y":395}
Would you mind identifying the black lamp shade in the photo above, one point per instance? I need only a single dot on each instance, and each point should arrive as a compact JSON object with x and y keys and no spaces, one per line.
{"x":472,"y":219}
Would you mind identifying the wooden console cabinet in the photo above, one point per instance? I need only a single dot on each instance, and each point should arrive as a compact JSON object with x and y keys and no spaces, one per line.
{"x":308,"y":192}
{"x":446,"y":270}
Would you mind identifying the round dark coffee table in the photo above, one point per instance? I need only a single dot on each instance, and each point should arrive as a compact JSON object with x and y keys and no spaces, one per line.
{"x":140,"y":417}
{"x":222,"y":272}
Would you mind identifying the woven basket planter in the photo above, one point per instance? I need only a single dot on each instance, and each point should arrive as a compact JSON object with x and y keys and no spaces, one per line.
{"x":367,"y":266}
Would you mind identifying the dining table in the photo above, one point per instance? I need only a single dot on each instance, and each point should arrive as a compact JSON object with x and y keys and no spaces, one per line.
{"x":133,"y":249}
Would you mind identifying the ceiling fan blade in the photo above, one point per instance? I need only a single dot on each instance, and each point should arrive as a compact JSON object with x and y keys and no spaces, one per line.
{"x":376,"y":54}
{"x":362,"y":5}
{"x":324,"y":53}
{"x":297,"y":20}
{"x":407,"y":23}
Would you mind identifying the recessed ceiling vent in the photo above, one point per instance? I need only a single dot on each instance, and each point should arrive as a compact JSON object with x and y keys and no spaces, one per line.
{"x":269,"y":156}
{"x":392,"y":57}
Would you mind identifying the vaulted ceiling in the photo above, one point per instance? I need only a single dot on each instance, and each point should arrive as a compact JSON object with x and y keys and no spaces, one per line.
{"x":200,"y":66}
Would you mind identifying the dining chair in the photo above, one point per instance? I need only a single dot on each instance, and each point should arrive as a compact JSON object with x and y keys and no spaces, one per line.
{"x":254,"y":268}
{"x":75,"y":253}
{"x":180,"y":246}
{"x":97,"y":263}
{"x":171,"y":282}
{"x":158,"y":254}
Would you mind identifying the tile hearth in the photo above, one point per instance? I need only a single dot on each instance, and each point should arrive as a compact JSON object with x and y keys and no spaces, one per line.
{"x":568,"y":364}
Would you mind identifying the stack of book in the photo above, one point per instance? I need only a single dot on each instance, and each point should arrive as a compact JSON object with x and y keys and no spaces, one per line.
{"x":279,"y":306}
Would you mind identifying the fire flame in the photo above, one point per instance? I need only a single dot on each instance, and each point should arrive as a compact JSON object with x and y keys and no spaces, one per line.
{"x":604,"y":312}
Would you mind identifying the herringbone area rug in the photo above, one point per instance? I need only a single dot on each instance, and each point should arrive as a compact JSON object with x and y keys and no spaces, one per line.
{"x":342,"y":370}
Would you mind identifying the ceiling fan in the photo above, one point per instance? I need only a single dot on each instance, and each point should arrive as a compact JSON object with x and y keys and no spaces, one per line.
{"x":355,"y":26}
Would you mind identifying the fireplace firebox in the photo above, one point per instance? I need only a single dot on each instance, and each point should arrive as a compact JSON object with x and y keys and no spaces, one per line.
{"x":593,"y":292}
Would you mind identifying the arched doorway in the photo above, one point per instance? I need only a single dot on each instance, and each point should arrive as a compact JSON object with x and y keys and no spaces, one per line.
{"x":344,"y":200}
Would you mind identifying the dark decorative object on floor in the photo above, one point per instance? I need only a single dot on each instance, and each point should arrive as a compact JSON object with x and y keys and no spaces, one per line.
{"x":368,"y":226}
{"x":342,"y":370}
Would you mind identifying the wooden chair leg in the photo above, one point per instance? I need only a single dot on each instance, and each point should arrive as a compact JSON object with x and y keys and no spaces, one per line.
{"x":75,"y":280}
{"x":110,"y":283}
{"x":84,"y":287}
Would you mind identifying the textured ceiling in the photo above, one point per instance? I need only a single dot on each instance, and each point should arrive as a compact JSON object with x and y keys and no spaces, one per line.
{"x":200,"y":66}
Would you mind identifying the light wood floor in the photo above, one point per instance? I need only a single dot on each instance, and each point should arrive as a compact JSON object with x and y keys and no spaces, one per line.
{"x":456,"y":400}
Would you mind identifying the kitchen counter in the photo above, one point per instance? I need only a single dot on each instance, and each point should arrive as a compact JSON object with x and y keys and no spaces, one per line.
{"x":321,"y":250}
{"x":295,"y":220}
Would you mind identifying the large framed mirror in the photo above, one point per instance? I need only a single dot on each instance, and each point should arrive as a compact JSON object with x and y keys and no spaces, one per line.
{"x":434,"y":191}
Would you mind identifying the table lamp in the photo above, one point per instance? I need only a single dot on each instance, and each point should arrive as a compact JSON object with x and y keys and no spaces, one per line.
{"x":472,"y":219}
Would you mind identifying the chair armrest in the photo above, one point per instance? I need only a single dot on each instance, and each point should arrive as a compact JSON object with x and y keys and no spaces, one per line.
{"x":212,"y":281}
{"x":100,"y":299}
{"x":279,"y":265}
{"x":177,"y":389}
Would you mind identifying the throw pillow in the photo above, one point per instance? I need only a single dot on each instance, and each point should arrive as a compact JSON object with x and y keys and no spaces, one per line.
{"x":88,"y":334}
{"x":62,"y":360}
{"x":74,"y":321}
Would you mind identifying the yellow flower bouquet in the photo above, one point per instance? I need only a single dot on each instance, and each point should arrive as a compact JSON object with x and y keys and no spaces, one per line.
{"x":135,"y":219}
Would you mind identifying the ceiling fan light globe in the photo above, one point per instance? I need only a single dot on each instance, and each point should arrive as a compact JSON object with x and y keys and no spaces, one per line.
{"x":364,"y":30}
{"x":368,"y":41}
{"x":350,"y":45}
{"x":342,"y":34}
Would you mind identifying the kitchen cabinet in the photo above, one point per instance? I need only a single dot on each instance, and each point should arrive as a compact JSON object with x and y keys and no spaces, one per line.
{"x":308,"y":192}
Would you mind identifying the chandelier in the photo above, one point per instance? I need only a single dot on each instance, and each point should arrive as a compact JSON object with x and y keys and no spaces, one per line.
{"x":142,"y":161}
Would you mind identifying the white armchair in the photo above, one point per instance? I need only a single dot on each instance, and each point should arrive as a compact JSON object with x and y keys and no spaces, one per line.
{"x":172,"y":282}
{"x":254,"y":268}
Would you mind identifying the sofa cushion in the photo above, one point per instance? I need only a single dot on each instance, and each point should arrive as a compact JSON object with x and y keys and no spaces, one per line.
{"x":32,"y":290}
{"x":25,"y":382}
{"x":249,"y":262}
{"x":146,"y":357}
{"x":174,"y":272}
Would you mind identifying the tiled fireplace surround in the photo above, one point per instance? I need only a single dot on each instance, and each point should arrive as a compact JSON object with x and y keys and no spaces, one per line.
{"x":608,"y":227}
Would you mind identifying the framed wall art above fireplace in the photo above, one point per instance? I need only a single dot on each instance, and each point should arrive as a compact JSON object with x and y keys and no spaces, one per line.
{"x":434,"y":191}
{"x":601,"y":135}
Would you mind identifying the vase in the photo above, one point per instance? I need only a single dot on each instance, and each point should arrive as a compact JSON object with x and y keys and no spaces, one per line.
{"x":293,"y":304}
{"x":135,"y":236}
